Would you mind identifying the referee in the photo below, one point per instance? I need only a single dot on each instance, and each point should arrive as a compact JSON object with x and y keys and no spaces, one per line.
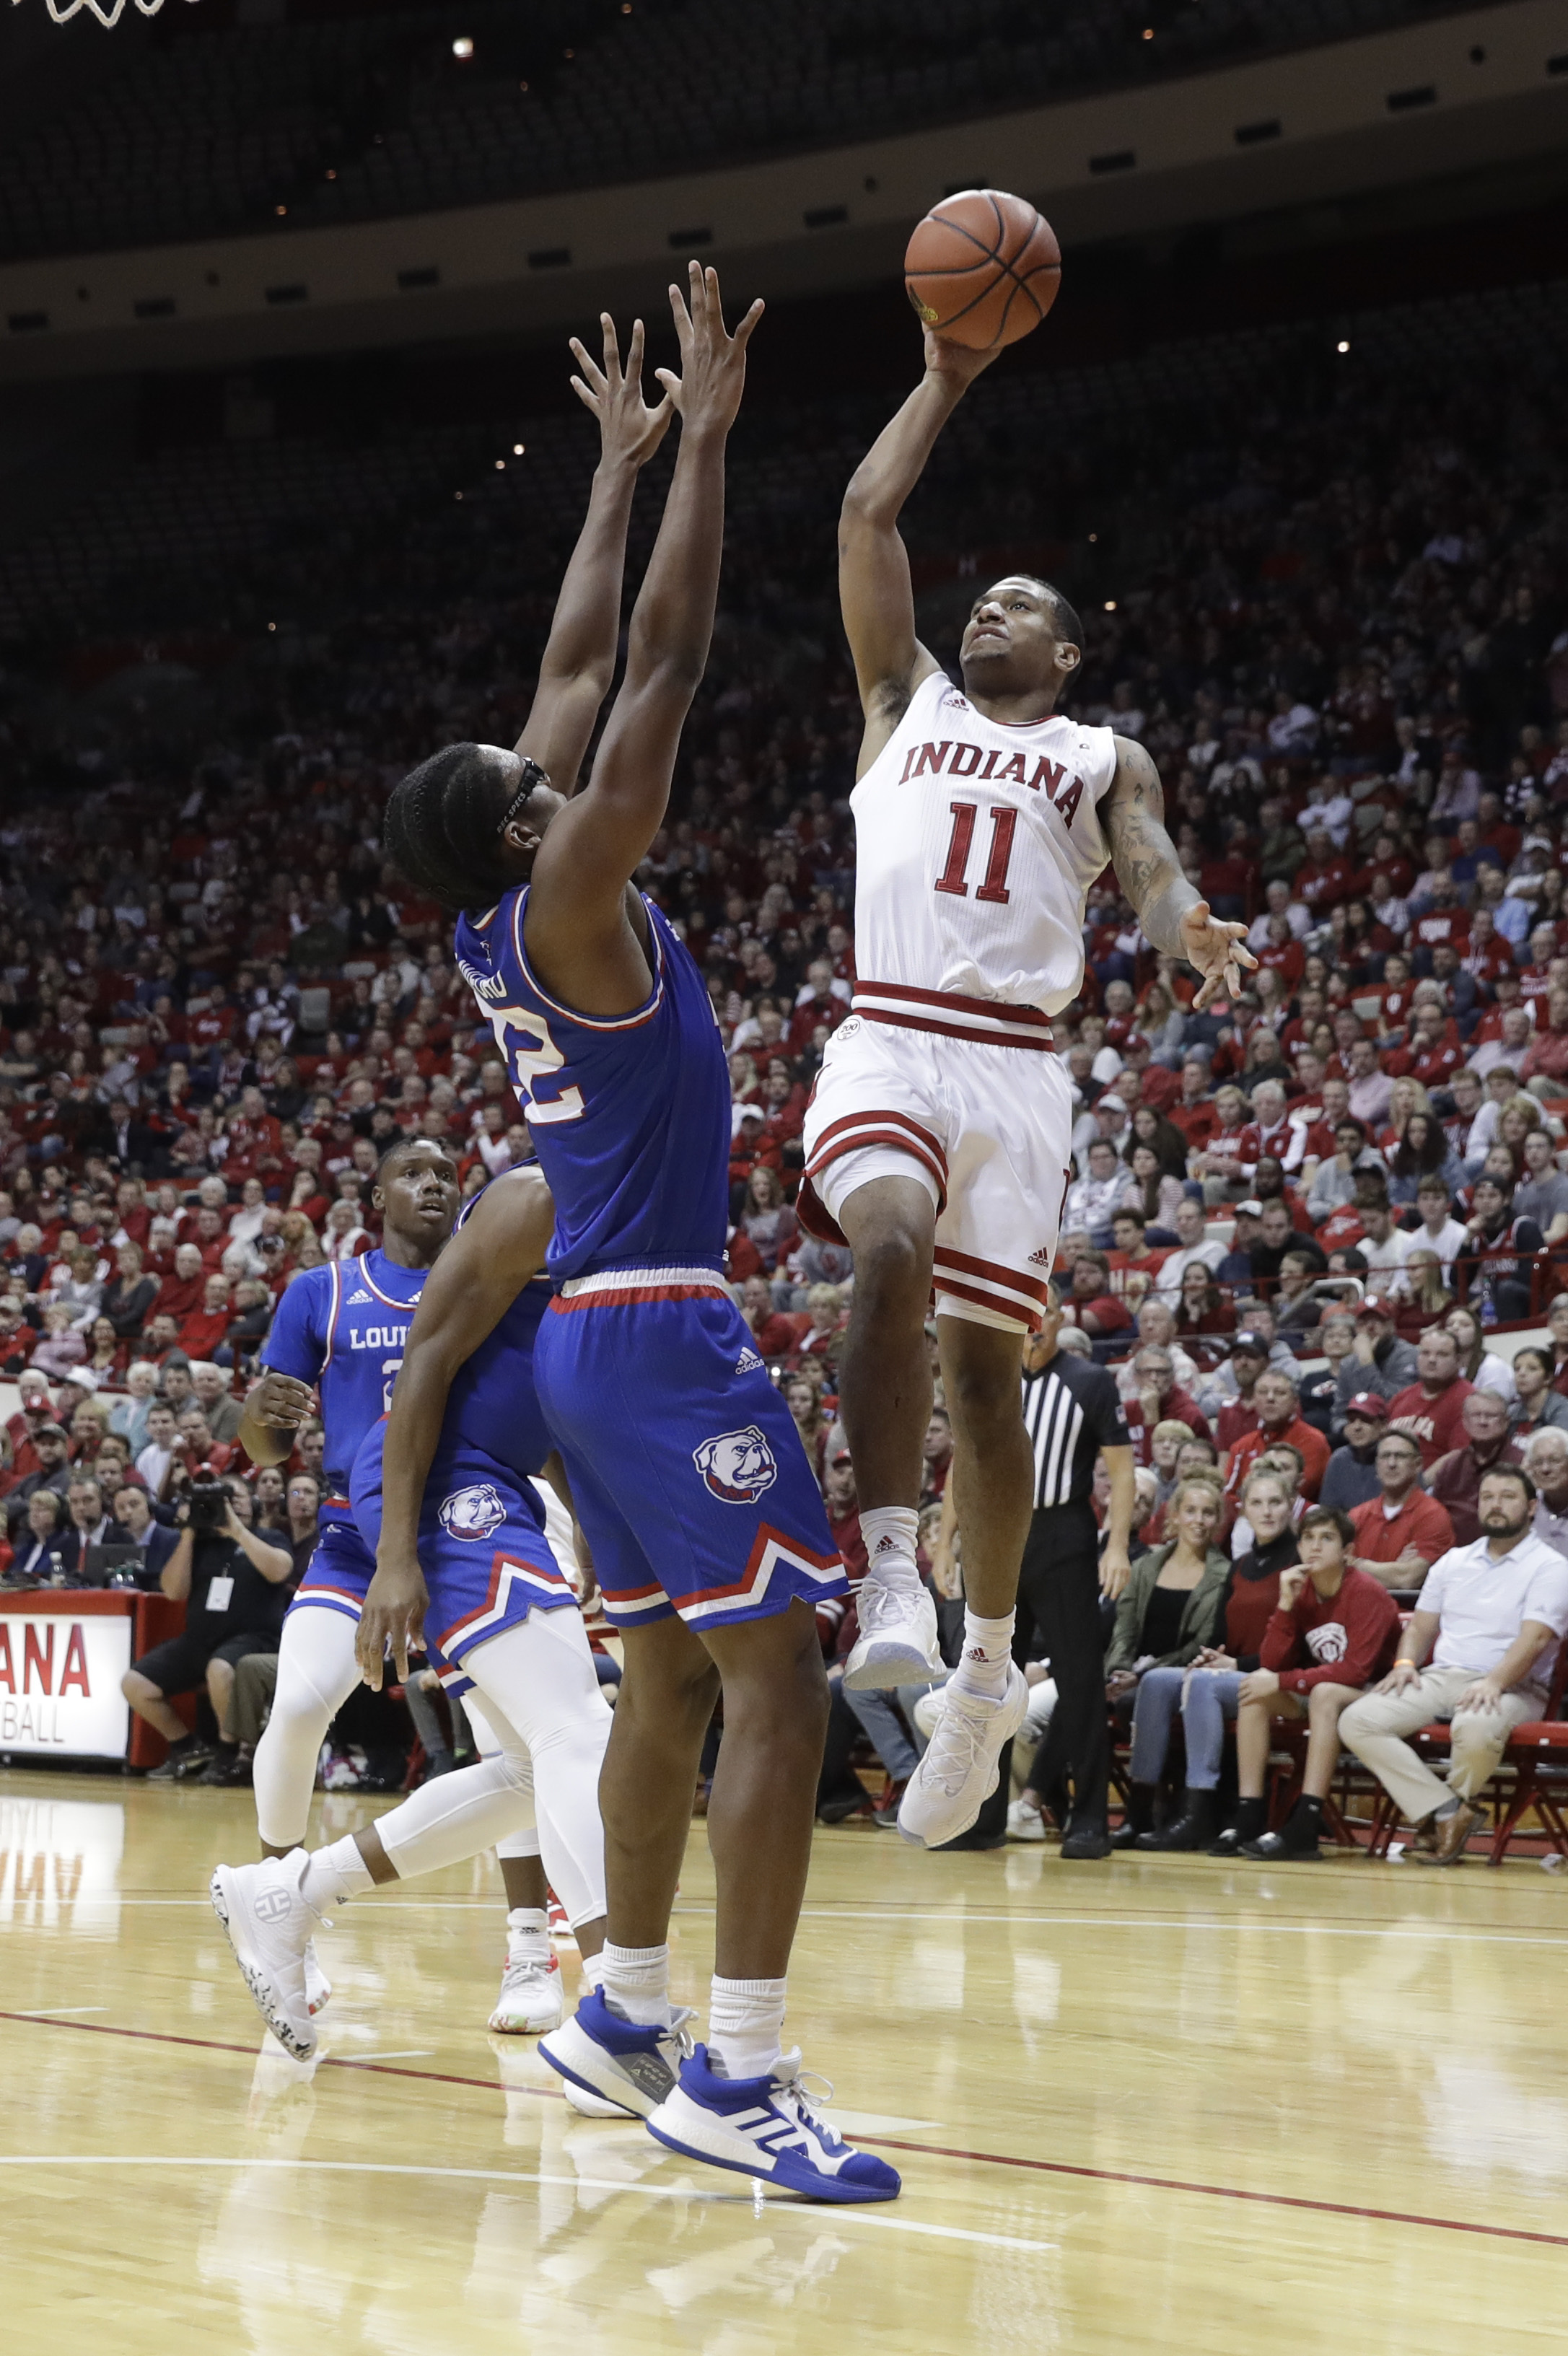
{"x":1073,"y":1413}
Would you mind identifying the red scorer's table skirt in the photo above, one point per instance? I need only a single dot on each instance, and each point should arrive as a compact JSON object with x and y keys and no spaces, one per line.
{"x":63,"y":1652}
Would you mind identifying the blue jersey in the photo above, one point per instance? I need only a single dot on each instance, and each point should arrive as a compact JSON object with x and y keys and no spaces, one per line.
{"x":344,"y":1328}
{"x":629,"y":1113}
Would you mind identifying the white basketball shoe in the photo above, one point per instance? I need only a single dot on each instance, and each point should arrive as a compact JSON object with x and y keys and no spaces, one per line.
{"x":530,"y":2001}
{"x":897,"y":1640}
{"x":269,"y":1924}
{"x":317,"y":1987}
{"x":959,"y":1771}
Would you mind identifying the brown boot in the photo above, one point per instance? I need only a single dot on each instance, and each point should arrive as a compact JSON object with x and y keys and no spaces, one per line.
{"x":1451,"y":1836}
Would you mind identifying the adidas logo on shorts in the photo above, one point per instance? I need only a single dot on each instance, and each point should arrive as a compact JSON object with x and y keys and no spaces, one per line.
{"x":1041,"y":1258}
{"x":359,"y":1300}
{"x":748,"y":1362}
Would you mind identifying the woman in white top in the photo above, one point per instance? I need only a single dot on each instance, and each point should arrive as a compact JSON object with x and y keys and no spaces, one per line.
{"x":1478,"y":1364}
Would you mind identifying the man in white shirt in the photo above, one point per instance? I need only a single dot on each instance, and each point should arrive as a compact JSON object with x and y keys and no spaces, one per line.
{"x":1490,"y":1618}
{"x":1277,"y":902}
{"x":1546,"y":1461}
{"x":1511,"y":1049}
{"x":1383,"y":1246}
{"x":154,"y":1460}
{"x":1197,"y":1250}
{"x":1090,"y":1200}
{"x":1439,"y":1231}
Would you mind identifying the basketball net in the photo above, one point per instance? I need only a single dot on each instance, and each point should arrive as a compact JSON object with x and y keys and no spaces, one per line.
{"x":108,"y":12}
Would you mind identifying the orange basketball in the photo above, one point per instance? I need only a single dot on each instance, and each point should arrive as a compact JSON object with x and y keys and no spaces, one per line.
{"x":982,"y":268}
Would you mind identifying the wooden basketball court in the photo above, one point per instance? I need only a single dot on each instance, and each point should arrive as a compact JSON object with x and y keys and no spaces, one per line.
{"x":1167,"y":2106}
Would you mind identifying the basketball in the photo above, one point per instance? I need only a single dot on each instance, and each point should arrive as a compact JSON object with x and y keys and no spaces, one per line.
{"x":982,"y":268}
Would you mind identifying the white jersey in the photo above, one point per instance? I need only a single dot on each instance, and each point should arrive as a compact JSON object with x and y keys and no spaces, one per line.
{"x":976,"y":843}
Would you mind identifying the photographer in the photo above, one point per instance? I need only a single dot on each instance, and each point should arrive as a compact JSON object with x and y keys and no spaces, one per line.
{"x":234,"y":1588}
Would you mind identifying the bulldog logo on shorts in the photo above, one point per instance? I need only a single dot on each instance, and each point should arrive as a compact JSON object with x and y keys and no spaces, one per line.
{"x":473,"y":1513}
{"x":737,"y":1465}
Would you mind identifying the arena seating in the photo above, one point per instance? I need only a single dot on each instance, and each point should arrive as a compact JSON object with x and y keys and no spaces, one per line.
{"x":214,"y":129}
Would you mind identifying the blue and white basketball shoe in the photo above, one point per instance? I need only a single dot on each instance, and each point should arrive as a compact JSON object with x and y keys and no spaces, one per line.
{"x":628,"y":2065}
{"x":762,"y":2126}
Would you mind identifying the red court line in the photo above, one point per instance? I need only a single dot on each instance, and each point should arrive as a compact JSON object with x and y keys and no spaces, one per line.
{"x":883,"y":2143}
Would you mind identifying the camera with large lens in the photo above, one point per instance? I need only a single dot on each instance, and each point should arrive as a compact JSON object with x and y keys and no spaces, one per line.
{"x":208,"y":1504}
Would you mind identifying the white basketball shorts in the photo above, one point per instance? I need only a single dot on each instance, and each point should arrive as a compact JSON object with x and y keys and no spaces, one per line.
{"x":984,"y":1124}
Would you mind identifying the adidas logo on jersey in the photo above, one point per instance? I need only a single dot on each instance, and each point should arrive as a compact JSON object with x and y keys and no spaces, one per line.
{"x":748,"y":1362}
{"x":359,"y":1300}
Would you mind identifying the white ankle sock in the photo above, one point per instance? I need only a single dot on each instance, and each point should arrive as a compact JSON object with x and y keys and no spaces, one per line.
{"x":593,"y":1971}
{"x":746,"y":2021}
{"x":636,"y":1981}
{"x":528,"y":1935}
{"x":890,"y":1534}
{"x":334,"y":1875}
{"x":987,"y":1651}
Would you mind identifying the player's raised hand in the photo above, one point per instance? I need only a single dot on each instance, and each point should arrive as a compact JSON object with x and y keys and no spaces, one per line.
{"x":1218,"y":951}
{"x":960,"y":364}
{"x":713,"y":362}
{"x":395,"y":1603}
{"x":629,"y":429}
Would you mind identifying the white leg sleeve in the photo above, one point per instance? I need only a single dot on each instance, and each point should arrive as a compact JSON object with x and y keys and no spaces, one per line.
{"x":453,"y":1816}
{"x":538,"y":1688}
{"x":525,"y":1842}
{"x":317,"y":1673}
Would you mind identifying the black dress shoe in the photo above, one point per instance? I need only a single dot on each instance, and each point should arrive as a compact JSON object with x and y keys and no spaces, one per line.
{"x":1274,"y":1849}
{"x":1193,"y":1829}
{"x":1088,"y":1844}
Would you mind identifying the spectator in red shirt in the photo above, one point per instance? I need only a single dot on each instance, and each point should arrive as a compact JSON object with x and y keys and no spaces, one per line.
{"x":1091,"y":1305}
{"x":1279,"y":1417}
{"x":1401,"y":1532}
{"x":1249,"y":1357}
{"x":1326,"y":877}
{"x":180,"y":1296}
{"x":1333,"y":1632}
{"x":1194,"y":1112}
{"x":1159,"y":1399}
{"x":1432,"y":1409}
{"x":773,"y":1333}
{"x":205,"y":1331}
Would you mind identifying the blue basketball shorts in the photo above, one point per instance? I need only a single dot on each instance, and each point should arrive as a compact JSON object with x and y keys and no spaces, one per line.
{"x":688,"y":1474}
{"x":482,"y":1547}
{"x":340,"y":1568}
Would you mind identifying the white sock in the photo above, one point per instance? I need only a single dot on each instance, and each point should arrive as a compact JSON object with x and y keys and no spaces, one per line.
{"x":987,"y":1652}
{"x":593,"y":1971}
{"x":528,"y":1935}
{"x":745,"y":2021}
{"x":890,"y":1534}
{"x":333,"y":1876}
{"x":636,"y":1981}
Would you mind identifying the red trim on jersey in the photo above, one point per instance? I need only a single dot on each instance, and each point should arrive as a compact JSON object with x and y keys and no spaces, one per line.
{"x":968,"y":1265}
{"x":388,"y":1300}
{"x":335,"y":1290}
{"x":1025,"y":1316}
{"x":639,"y":1293}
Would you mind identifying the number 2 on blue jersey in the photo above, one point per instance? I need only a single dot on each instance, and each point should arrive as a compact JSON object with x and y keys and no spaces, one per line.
{"x":516,"y":1029}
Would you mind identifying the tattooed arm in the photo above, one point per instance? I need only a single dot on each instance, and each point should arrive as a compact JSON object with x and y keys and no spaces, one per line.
{"x":1173,"y":917}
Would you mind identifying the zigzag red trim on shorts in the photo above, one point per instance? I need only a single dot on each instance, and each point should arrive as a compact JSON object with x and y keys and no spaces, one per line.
{"x":1015,"y":1279}
{"x":1021,"y":1310}
{"x":854,"y":1129}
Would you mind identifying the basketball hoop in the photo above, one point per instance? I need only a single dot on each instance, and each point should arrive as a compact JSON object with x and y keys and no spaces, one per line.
{"x":108,"y":12}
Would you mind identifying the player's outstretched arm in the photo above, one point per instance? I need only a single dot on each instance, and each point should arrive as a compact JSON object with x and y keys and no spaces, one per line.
{"x":498,"y":1249}
{"x":875,"y":590}
{"x":576,"y":930}
{"x":1174,"y":917}
{"x":578,"y":665}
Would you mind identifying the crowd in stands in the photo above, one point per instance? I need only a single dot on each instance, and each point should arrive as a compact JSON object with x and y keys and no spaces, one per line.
{"x":1295,"y":1219}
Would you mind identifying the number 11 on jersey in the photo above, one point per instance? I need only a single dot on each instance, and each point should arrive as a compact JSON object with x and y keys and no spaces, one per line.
{"x":1003,"y":826}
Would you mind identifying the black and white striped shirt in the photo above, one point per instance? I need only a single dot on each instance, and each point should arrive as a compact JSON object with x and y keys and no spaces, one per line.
{"x":1071,"y":1409}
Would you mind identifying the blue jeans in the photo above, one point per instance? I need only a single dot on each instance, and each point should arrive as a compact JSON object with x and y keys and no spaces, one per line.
{"x":1211,"y":1698}
{"x":886,"y":1729}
